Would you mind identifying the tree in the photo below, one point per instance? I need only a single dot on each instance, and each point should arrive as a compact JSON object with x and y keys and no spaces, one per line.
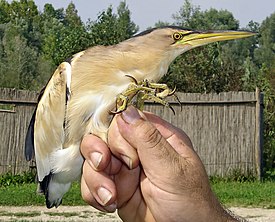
{"x":71,"y":18}
{"x":111,"y":28}
{"x":50,"y":12}
{"x":265,"y":54}
{"x":161,"y":24}
{"x":203,"y":69}
{"x":124,"y":23}
{"x":4,"y":12}
{"x":63,"y":33}
{"x":185,"y":16}
{"x":19,"y":68}
{"x":265,"y":61}
{"x":25,"y":16}
{"x":191,"y":16}
{"x":20,"y":46}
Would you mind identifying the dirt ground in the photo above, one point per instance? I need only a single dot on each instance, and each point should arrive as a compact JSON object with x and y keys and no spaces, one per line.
{"x":86,"y":213}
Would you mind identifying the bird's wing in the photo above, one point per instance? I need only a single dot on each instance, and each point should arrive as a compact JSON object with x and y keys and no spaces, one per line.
{"x":49,"y":120}
{"x":29,"y":146}
{"x":29,"y":140}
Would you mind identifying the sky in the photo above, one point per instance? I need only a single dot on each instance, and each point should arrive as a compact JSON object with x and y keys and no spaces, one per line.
{"x":146,"y":13}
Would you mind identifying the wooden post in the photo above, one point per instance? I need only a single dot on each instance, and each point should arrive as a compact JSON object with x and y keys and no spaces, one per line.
{"x":259,"y":132}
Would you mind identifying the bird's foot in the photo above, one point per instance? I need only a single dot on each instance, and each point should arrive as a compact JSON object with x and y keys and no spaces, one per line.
{"x":141,"y":91}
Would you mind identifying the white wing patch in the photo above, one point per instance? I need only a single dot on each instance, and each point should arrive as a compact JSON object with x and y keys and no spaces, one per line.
{"x":69,"y":70}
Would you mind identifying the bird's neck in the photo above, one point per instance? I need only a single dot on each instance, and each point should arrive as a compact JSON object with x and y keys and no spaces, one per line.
{"x":150,"y":67}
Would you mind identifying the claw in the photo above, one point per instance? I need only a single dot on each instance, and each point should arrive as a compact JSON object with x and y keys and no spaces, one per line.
{"x":178,"y":100}
{"x":133,"y":78}
{"x":172,"y":92}
{"x":144,"y":90}
{"x":172,"y":109}
{"x":121,"y":104}
{"x":111,"y":112}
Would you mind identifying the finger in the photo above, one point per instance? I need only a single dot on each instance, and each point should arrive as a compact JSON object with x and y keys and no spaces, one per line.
{"x":120,"y":147}
{"x":166,"y":129}
{"x":95,"y":151}
{"x":89,"y":198}
{"x":98,"y":186}
{"x":161,"y":161}
{"x":155,"y":153}
{"x":177,"y":138}
{"x":127,"y":183}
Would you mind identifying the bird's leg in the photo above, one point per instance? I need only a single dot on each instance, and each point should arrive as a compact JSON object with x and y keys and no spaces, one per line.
{"x":156,"y":99}
{"x":121,"y":103}
{"x":143,"y":90}
{"x":126,"y":98}
{"x":166,"y":92}
{"x":162,"y":90}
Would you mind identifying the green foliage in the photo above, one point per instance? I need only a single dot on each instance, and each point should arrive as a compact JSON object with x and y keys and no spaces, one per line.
{"x":9,"y":179}
{"x":231,"y":193}
{"x":245,"y":194}
{"x":19,"y":45}
{"x":264,"y":60}
{"x":18,"y":62}
{"x":191,"y":16}
{"x":33,"y":43}
{"x":110,"y":28}
{"x":205,"y":69}
{"x":235,"y":175}
{"x":202,"y":70}
{"x":63,"y":33}
{"x":25,"y":195}
{"x":265,"y":53}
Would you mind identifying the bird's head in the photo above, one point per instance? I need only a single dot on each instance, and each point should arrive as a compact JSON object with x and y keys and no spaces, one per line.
{"x":179,"y":40}
{"x":152,"y":51}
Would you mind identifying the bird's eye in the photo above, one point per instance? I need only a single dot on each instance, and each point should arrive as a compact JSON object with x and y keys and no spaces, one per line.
{"x":177,"y":36}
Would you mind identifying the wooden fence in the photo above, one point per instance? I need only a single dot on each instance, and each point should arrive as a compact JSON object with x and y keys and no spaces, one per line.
{"x":226,"y":129}
{"x":16,"y":110}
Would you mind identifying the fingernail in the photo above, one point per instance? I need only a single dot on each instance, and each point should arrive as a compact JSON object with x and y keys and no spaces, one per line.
{"x":104,"y":195}
{"x":96,"y":158}
{"x":130,"y":115}
{"x":111,"y":208}
{"x":128,"y":161}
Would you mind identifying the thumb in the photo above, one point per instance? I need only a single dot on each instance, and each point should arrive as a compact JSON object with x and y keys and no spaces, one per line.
{"x":155,"y":154}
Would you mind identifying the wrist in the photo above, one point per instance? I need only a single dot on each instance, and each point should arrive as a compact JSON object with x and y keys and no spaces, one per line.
{"x":221,"y":214}
{"x":234,"y":217}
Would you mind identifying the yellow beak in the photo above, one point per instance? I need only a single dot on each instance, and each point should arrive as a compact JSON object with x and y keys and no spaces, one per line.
{"x":198,"y":38}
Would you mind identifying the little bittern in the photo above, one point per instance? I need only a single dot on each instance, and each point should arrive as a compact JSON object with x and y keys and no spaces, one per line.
{"x":82,"y":91}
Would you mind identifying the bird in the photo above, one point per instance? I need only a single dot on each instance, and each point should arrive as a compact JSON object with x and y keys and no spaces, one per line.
{"x":87,"y":90}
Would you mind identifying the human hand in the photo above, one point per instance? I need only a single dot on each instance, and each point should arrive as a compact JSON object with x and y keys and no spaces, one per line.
{"x":169,"y":184}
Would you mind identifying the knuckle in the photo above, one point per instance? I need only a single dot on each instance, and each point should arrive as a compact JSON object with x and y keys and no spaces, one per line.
{"x":85,"y":192}
{"x":86,"y":196}
{"x":151,"y":136}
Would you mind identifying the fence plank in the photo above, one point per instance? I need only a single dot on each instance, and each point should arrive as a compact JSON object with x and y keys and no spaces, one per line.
{"x":225,"y":128}
{"x":259,"y":133}
{"x":221,"y":126}
{"x":13,"y":129}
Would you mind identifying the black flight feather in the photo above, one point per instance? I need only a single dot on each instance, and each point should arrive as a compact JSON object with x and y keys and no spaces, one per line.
{"x":44,"y":188}
{"x":29,"y":140}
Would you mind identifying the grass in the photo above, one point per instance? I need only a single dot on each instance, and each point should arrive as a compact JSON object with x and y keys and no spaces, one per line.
{"x":25,"y":195}
{"x":230,"y":193}
{"x":246,"y":194}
